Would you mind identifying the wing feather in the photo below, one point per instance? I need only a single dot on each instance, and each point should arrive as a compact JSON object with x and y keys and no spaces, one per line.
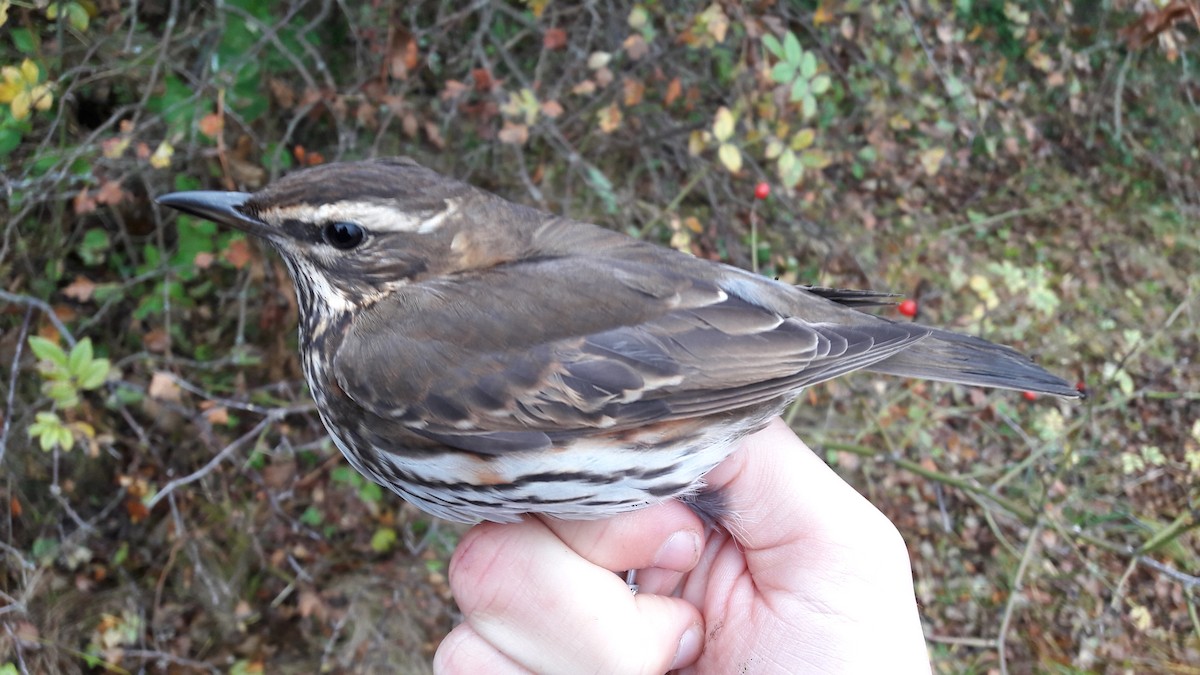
{"x":653,"y":344}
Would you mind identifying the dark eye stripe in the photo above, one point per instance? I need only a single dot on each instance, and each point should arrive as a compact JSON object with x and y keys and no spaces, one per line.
{"x":299,"y":230}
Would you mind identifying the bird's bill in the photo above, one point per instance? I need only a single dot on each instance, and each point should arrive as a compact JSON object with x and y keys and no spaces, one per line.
{"x":223,"y":208}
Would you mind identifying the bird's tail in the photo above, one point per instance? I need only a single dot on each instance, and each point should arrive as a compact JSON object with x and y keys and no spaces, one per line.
{"x":950,"y":357}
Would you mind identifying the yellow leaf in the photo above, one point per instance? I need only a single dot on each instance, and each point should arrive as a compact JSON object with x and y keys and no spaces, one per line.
{"x":803,"y":139}
{"x":715,"y":22}
{"x":931,"y":160}
{"x":4,"y":11}
{"x":696,"y":142}
{"x":1141,"y":618}
{"x":20,"y":106}
{"x":723,"y":124}
{"x":610,"y":118}
{"x":638,"y":17}
{"x":41,"y":97}
{"x":29,"y":70}
{"x":161,"y":158}
{"x":823,"y":15}
{"x":730,"y":156}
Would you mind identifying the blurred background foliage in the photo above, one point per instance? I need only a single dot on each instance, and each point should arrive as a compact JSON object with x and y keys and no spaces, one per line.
{"x":1022,"y":170}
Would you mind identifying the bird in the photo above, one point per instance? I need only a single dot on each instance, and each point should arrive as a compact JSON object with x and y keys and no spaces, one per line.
{"x":487,"y":360}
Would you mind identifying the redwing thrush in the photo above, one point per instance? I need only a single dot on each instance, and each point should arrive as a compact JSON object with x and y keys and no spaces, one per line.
{"x":485,"y":360}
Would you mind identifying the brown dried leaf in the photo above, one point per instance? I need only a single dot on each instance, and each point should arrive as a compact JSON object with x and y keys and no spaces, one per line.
{"x":405,"y":56}
{"x":237,"y":253}
{"x":80,"y":290}
{"x":218,"y":415}
{"x":282,"y":92}
{"x":552,"y":109}
{"x":111,"y":193}
{"x":513,"y":133}
{"x":610,"y":118}
{"x":452,"y":89}
{"x":483,"y":80}
{"x":554,"y":38}
{"x":84,"y":203}
{"x":434,"y":134}
{"x":310,"y":604}
{"x":674,"y":89}
{"x":635,"y":47}
{"x":156,"y":340}
{"x":163,"y":387}
{"x":211,"y":124}
{"x":634,"y":90}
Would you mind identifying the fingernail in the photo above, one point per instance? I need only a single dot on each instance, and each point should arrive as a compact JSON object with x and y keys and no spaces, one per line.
{"x":690,"y":646}
{"x":679,"y":552}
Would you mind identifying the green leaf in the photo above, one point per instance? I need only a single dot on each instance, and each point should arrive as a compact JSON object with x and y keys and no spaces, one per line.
{"x":119,"y":557}
{"x":346,"y":475}
{"x":799,"y":89}
{"x":23,"y":40}
{"x":62,"y":392}
{"x":603,"y":187}
{"x":47,"y":350}
{"x":77,"y":16}
{"x":94,"y":374}
{"x":80,"y":357}
{"x":809,"y":106}
{"x":814,"y":158}
{"x":45,"y":549}
{"x":808,"y":65}
{"x":383,"y":540}
{"x":790,"y":170}
{"x":783,"y":72}
{"x":370,"y":492}
{"x":94,"y":246}
{"x":63,"y":438}
{"x":10,"y":139}
{"x":820,"y":84}
{"x":312,"y":516}
{"x":791,"y":48}
{"x":772,"y":44}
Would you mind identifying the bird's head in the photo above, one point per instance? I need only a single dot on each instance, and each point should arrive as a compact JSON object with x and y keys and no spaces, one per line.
{"x":352,"y":233}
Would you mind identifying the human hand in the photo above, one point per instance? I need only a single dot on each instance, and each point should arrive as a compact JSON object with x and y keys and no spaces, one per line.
{"x":813,"y":579}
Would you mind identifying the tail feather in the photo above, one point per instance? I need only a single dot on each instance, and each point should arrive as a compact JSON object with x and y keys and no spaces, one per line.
{"x":962,"y":359}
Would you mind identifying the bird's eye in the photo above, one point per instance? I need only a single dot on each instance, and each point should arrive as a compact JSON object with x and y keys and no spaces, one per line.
{"x":343,"y":235}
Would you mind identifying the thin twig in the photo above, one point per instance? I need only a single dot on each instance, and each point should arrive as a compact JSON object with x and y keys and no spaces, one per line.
{"x":1187,"y":580}
{"x":12,"y":384}
{"x":1015,"y":594}
{"x":38,"y":303}
{"x":215,"y":461}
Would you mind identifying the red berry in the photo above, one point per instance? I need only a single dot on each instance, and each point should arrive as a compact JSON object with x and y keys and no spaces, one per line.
{"x":1029,"y":396}
{"x":762,"y":190}
{"x":908,"y":308}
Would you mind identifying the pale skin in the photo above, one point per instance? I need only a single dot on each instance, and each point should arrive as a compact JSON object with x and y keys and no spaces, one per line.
{"x":816,"y":580}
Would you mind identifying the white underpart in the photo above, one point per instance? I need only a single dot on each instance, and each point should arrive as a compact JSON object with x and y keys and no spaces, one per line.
{"x":561,"y":497}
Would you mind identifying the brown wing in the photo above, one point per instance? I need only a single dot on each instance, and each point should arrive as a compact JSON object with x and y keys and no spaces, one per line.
{"x":517,"y":356}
